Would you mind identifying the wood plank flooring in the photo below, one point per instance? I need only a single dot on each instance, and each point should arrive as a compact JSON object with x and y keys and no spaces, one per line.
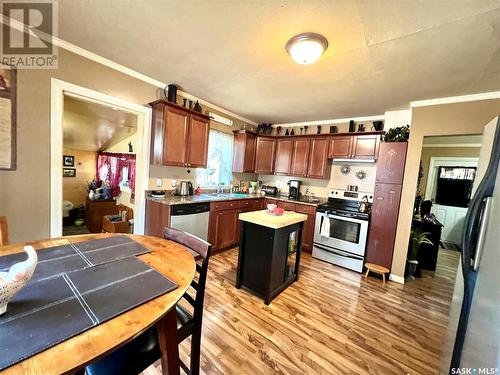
{"x":332,"y":321}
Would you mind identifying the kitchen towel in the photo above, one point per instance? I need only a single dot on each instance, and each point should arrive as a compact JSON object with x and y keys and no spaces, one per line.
{"x":325,"y":227}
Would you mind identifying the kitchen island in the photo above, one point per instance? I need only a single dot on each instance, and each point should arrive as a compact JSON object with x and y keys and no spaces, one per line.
{"x":265,"y":264}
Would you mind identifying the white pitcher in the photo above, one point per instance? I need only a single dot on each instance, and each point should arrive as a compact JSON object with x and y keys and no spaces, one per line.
{"x":19,"y":274}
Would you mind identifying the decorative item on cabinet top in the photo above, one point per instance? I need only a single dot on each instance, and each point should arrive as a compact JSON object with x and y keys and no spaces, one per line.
{"x":399,"y":134}
{"x":265,"y":129}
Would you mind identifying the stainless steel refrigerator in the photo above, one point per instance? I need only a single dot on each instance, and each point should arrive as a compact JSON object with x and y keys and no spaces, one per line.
{"x":473,"y":340}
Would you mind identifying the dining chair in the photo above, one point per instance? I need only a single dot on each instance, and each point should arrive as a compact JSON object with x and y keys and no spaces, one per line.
{"x":4,"y":231}
{"x":144,"y":350}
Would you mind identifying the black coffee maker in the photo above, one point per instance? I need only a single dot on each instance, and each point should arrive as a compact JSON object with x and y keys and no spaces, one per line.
{"x":293,"y":189}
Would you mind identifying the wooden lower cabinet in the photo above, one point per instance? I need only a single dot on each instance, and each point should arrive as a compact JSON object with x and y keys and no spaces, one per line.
{"x":224,"y":225}
{"x":157,"y":218}
{"x":95,"y":211}
{"x":308,"y":229}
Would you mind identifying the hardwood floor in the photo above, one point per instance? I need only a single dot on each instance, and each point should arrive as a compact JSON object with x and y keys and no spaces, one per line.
{"x":332,"y":321}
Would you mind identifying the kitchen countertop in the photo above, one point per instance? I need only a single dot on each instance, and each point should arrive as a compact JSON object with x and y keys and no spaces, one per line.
{"x":271,"y":221}
{"x":209,"y":197}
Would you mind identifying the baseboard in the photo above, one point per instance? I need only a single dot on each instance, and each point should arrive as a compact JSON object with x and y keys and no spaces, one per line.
{"x":397,"y":278}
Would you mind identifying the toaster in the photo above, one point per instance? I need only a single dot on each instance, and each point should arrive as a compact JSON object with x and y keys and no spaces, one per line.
{"x":269,"y":190}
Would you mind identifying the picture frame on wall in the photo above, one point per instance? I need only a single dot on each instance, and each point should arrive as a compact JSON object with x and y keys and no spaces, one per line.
{"x":8,"y":110}
{"x":68,"y":161}
{"x":69,"y":172}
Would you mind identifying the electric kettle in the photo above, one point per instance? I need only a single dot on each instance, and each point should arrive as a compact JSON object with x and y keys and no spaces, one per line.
{"x":185,"y":188}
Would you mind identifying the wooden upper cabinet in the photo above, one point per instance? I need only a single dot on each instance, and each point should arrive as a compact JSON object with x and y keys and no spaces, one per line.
{"x":300,"y":156}
{"x":283,"y":161}
{"x":174,"y":137}
{"x":340,"y":147}
{"x":391,"y":162}
{"x":264,"y":155}
{"x":197,"y":146}
{"x":179,"y":137}
{"x":318,"y":159}
{"x":365,"y":147}
{"x":244,"y":152}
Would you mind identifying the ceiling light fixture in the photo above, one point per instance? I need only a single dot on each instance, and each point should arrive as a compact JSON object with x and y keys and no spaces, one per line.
{"x":307,"y":48}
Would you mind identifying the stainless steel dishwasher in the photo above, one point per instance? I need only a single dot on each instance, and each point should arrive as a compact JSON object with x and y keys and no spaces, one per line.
{"x":191,"y":218}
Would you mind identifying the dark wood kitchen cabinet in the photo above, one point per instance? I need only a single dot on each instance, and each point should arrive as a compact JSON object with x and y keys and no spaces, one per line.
{"x":224,"y":225}
{"x":157,"y":218}
{"x":340,"y":147}
{"x":318,"y":159}
{"x":264,"y":155}
{"x":283,"y":160}
{"x":179,"y":137}
{"x":225,"y":228}
{"x":244,"y":152}
{"x":365,"y":147}
{"x":391,"y":162}
{"x":386,"y":202}
{"x":197,"y":141}
{"x":300,"y":156}
{"x":354,"y":147}
{"x":308,"y":229}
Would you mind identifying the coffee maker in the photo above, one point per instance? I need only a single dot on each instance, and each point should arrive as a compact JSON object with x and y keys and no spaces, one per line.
{"x":293,"y":189}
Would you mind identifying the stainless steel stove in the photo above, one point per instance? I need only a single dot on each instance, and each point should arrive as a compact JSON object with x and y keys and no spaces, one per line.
{"x":341,"y":230}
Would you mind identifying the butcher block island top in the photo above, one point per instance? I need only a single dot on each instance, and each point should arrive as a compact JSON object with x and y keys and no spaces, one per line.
{"x":271,"y":221}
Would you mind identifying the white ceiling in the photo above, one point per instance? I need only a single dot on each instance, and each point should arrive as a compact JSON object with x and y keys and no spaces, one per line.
{"x":90,"y":126}
{"x":382,"y":54}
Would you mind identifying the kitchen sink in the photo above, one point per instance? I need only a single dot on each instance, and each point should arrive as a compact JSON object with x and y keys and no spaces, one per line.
{"x":227,"y":195}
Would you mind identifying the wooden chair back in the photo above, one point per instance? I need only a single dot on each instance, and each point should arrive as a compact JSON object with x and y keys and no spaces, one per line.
{"x":4,"y":231}
{"x":203,"y":249}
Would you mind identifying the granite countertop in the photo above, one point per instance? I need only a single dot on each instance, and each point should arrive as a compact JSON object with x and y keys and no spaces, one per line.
{"x":170,"y":199}
{"x":271,"y":221}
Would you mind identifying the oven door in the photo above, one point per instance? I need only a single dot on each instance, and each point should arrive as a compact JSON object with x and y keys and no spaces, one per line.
{"x":343,"y":233}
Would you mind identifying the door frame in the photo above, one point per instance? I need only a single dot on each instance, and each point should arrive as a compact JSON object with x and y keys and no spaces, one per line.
{"x":445,"y":161}
{"x":58,"y":90}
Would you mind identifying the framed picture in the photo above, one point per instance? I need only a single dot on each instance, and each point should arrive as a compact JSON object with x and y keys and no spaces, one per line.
{"x":8,"y":133}
{"x":68,"y":161}
{"x":69,"y":172}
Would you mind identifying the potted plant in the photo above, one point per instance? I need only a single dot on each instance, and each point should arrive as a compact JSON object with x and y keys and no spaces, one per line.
{"x":416,"y":240}
{"x":399,"y":134}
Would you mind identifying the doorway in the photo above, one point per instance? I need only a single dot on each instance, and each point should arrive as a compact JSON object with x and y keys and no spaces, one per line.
{"x":447,"y":171}
{"x":99,"y":160}
{"x":449,"y":188}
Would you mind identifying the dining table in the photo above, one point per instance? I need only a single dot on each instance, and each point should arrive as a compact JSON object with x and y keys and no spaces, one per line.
{"x":72,"y":355}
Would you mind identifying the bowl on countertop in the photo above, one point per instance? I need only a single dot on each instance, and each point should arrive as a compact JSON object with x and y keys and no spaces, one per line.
{"x":271,"y":206}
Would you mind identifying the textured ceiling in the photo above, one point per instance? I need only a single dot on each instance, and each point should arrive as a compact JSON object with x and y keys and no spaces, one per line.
{"x":94,"y":127}
{"x":382,"y":54}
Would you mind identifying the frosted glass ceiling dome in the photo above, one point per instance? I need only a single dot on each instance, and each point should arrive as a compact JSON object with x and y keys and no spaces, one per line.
{"x":306,"y":48}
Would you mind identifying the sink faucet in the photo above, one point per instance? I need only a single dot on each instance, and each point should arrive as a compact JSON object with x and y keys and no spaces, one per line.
{"x":220,"y":189}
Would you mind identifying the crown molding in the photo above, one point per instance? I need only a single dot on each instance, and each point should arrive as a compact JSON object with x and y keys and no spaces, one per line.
{"x":332,"y":121}
{"x":439,"y":145}
{"x":456,"y":99}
